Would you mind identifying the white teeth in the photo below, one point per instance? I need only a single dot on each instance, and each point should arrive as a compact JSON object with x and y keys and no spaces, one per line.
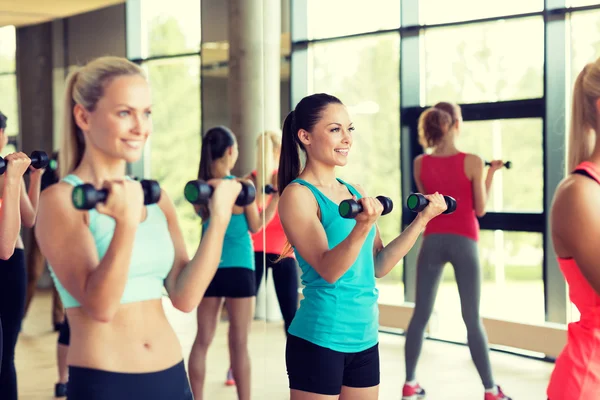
{"x":134,"y":143}
{"x":344,"y":152}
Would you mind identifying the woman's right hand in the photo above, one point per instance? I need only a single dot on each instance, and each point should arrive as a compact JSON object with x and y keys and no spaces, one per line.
{"x":125,"y":201}
{"x":225,"y":193}
{"x":372,"y":209}
{"x":16,"y":165}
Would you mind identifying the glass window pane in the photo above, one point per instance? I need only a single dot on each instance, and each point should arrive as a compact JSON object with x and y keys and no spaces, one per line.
{"x":172,"y":27}
{"x":370,"y":89}
{"x":9,"y":103}
{"x":442,"y":11}
{"x":8,"y":49}
{"x":9,"y":148}
{"x":175,"y":141}
{"x":582,"y":3}
{"x":481,"y":63}
{"x":585,"y":42}
{"x":520,"y":188}
{"x":512,"y":284}
{"x":332,"y":18}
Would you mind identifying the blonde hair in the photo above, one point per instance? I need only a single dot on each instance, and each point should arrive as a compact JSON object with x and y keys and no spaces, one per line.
{"x":265,"y":160}
{"x":85,"y":86}
{"x":584,"y":114}
{"x":435,"y":123}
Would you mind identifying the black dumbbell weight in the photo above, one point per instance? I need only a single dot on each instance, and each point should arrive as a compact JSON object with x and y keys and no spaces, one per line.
{"x":351,"y":208}
{"x":506,"y":164}
{"x":269,"y":189}
{"x":416,"y":202}
{"x":39,"y":159}
{"x":198,"y":192}
{"x":86,"y":196}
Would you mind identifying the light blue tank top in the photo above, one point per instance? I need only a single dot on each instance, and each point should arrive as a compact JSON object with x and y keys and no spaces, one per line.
{"x":238,"y":250}
{"x":343,"y":316}
{"x":151,"y":260}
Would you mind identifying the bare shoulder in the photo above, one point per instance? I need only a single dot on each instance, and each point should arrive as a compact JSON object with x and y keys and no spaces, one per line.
{"x":359,"y":189}
{"x":473,"y":160}
{"x":295,"y":201}
{"x":417,"y":160}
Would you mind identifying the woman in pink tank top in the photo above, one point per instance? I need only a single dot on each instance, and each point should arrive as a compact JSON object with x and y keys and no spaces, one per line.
{"x":575,"y":221}
{"x":450,"y":238}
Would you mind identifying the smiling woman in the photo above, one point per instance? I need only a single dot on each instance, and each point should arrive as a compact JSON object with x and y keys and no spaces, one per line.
{"x":110,"y":264}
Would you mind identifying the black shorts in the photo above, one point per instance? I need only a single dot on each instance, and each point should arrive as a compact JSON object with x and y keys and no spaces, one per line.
{"x":232,"y":282}
{"x":316,"y":369}
{"x":93,"y":384}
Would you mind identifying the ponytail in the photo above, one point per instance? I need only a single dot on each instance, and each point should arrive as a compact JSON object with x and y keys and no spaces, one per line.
{"x":289,"y":160}
{"x":205,"y":170}
{"x":434,"y":124}
{"x":583,"y":120}
{"x":73,"y":144}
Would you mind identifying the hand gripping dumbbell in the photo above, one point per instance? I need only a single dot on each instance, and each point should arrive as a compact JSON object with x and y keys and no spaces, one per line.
{"x":506,"y":164}
{"x":39,"y":159}
{"x":350,"y":208}
{"x":416,"y":202}
{"x":198,"y":192}
{"x":86,"y":196}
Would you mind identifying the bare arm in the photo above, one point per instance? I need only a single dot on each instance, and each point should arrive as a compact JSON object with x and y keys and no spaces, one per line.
{"x":298,"y":212}
{"x":10,"y":217}
{"x":575,"y":218}
{"x":188,"y":279}
{"x":481,"y":188}
{"x":417,"y":174}
{"x":66,"y":242}
{"x":255,"y":218}
{"x":30,"y":199}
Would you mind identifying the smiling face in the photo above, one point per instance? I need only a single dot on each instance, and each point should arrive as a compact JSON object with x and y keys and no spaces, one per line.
{"x":331,"y":137}
{"x":121,"y":122}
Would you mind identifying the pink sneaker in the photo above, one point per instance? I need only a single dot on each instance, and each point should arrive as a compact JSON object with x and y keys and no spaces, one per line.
{"x":229,"y":381}
{"x":415,"y":392}
{"x":499,"y":396}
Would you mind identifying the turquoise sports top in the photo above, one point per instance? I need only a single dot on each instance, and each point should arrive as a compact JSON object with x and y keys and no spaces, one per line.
{"x":151,"y":260}
{"x":341,"y":316}
{"x":238,"y":250}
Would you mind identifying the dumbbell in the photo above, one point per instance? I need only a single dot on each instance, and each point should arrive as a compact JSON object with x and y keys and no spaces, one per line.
{"x":350,"y":208}
{"x":506,"y":164}
{"x":416,"y":202}
{"x":86,"y":196}
{"x":269,"y":189}
{"x":39,"y":159}
{"x":198,"y":192}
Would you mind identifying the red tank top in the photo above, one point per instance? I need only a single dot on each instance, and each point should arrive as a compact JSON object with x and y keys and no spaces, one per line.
{"x":446,"y":175}
{"x":274,"y":235}
{"x":576,"y":374}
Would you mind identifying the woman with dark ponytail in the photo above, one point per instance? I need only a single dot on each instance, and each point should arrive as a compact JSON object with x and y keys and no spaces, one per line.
{"x":332,"y":346}
{"x":575,"y":221}
{"x":235,"y":280}
{"x":450,"y":238}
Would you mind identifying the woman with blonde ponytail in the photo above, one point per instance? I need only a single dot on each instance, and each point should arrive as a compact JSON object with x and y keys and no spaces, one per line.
{"x":111,"y":263}
{"x":270,"y":244}
{"x":575,"y":222}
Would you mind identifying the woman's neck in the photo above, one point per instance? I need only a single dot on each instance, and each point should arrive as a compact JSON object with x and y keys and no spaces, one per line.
{"x":445,"y":148}
{"x":97,"y":168}
{"x":319,"y":174}
{"x":220,"y":169}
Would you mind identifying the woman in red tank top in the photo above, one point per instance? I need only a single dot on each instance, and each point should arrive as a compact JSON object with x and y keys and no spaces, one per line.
{"x":450,"y":238}
{"x":575,"y":222}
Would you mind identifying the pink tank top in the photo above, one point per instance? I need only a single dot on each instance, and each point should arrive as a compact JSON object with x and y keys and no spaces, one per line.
{"x":576,"y":374}
{"x":446,"y":175}
{"x":274,"y":235}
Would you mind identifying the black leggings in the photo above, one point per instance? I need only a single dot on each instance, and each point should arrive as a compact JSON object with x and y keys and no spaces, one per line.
{"x":285,"y":278}
{"x":13,"y":287}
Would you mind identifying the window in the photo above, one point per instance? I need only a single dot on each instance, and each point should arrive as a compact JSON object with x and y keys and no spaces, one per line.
{"x":171,"y":27}
{"x":520,"y":188}
{"x":512,"y":284}
{"x":351,"y":69}
{"x":440,"y":11}
{"x":345,"y":17}
{"x":492,"y":61}
{"x":175,"y":141}
{"x":8,"y":49}
{"x":582,"y":3}
{"x":9,"y":103}
{"x":585,"y":41}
